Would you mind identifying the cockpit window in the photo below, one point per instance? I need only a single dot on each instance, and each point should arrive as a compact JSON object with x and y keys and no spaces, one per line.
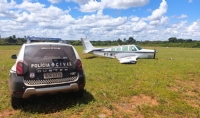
{"x":132,"y":48}
{"x":138,"y":47}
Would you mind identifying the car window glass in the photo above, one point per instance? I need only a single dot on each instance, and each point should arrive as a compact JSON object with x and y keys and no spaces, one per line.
{"x":138,"y":47}
{"x":47,"y":53}
{"x":132,"y":48}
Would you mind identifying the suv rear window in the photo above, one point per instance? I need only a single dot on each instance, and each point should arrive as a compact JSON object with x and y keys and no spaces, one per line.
{"x":43,"y":53}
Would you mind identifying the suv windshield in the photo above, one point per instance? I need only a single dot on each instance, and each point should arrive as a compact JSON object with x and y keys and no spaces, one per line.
{"x":41,"y":53}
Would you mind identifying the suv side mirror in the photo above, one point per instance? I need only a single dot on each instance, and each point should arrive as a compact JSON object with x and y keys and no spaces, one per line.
{"x":14,"y":56}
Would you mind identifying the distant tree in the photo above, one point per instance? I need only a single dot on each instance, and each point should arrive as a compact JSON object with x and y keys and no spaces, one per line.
{"x":20,"y":41}
{"x":147,"y":41}
{"x":180,"y":40}
{"x":108,"y":42}
{"x":98,"y":42}
{"x":11,"y":40}
{"x":14,"y":37}
{"x":124,"y":39}
{"x":131,"y":40}
{"x":119,"y":41}
{"x":77,"y":42}
{"x":189,"y":40}
{"x":172,"y":39}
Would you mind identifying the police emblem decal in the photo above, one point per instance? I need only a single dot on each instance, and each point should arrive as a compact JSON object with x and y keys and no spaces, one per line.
{"x":32,"y":75}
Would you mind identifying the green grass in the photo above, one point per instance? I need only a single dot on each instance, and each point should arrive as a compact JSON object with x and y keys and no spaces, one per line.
{"x":151,"y":88}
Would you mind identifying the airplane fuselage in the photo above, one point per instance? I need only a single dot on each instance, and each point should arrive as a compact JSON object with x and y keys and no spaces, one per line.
{"x":125,"y":53}
{"x":112,"y":54}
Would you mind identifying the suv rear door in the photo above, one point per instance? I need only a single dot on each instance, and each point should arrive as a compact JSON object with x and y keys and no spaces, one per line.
{"x":42,"y":62}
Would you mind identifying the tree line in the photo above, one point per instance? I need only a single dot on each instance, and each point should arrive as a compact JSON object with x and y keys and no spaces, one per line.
{"x":12,"y":40}
{"x":171,"y":42}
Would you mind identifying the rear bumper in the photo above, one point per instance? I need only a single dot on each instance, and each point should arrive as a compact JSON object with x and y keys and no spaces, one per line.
{"x":19,"y":89}
{"x":40,"y":91}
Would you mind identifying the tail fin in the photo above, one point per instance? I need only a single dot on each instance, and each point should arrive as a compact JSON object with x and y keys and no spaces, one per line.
{"x":86,"y":44}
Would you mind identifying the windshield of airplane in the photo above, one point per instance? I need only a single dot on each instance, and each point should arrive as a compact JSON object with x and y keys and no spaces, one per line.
{"x":138,"y":47}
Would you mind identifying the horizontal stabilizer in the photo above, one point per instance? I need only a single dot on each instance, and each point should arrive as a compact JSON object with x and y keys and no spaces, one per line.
{"x":87,"y":51}
{"x":94,"y":49}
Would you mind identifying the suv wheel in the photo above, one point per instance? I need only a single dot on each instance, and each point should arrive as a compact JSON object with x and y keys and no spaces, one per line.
{"x":79,"y":93}
{"x":16,"y":102}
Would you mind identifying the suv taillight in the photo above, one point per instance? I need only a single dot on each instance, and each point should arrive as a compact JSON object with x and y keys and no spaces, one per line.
{"x":19,"y":68}
{"x":79,"y":65}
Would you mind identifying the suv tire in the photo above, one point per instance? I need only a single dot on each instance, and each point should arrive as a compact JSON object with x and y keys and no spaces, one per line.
{"x":16,"y":102}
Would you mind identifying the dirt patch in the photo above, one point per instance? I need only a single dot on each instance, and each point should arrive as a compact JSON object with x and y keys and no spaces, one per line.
{"x":143,"y":100}
{"x":130,"y":105}
{"x":7,"y":113}
{"x":127,"y":109}
{"x":2,"y":68}
{"x":193,"y":102}
{"x":189,"y":90}
{"x":192,"y":98}
{"x":105,"y":113}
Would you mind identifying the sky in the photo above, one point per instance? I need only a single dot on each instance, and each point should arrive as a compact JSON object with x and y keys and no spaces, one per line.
{"x":151,"y":20}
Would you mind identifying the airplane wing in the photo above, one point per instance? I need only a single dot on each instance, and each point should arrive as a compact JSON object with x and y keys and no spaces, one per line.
{"x":128,"y":59}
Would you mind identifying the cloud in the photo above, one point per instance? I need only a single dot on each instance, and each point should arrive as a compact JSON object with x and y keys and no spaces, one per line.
{"x":100,"y":20}
{"x":158,"y":13}
{"x":190,"y":1}
{"x":161,"y":21}
{"x":157,"y":17}
{"x":6,"y":9}
{"x":37,"y":19}
{"x":194,"y":27}
{"x":135,"y":19}
{"x":39,"y":14}
{"x":183,"y":16}
{"x":149,"y":10}
{"x":93,"y":5}
{"x":125,"y":4}
{"x":54,"y":1}
{"x":139,"y":26}
{"x":30,"y":7}
{"x":81,"y":1}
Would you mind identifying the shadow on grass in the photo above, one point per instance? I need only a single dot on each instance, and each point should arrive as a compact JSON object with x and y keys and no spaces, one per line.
{"x":54,"y":103}
{"x":91,"y":57}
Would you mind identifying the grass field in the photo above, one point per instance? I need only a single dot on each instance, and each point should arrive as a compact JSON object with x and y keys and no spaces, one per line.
{"x":151,"y":88}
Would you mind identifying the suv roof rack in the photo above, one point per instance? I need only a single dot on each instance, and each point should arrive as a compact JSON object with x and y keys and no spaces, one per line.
{"x":44,"y":39}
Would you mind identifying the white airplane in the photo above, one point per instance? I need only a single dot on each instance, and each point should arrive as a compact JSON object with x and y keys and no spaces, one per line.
{"x":124,"y":53}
